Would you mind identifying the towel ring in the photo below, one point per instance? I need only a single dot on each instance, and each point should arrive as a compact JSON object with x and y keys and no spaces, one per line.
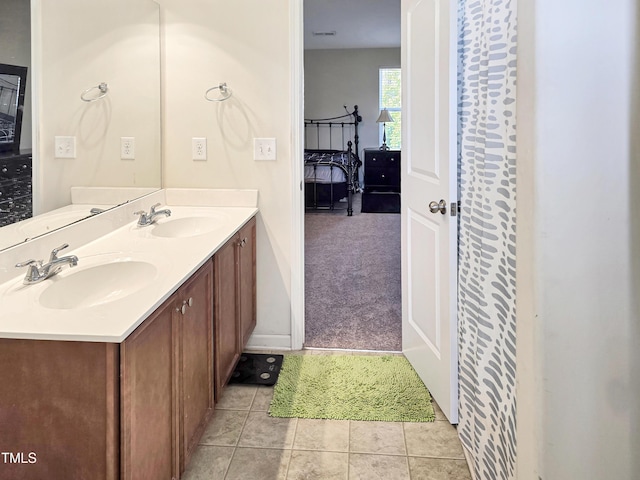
{"x":103,"y":92}
{"x":225,"y":93}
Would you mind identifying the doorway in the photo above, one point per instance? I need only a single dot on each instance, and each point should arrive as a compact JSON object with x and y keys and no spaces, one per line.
{"x":351,"y":263}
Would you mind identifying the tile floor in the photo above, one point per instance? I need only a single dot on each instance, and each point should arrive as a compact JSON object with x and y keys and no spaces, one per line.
{"x":243,"y":442}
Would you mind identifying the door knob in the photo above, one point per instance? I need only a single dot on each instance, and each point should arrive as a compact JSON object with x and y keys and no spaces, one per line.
{"x":436,"y":207}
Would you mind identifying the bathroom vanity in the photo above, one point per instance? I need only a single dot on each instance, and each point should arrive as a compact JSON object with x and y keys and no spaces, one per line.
{"x":111,"y":385}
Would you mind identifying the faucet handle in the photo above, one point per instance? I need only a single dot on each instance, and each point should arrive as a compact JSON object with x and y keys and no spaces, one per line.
{"x":54,"y":252}
{"x":33,"y":273}
{"x":153,"y":208}
{"x":27,"y":263}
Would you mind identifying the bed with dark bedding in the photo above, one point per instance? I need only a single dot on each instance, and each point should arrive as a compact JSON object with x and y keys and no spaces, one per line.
{"x":331,"y":161}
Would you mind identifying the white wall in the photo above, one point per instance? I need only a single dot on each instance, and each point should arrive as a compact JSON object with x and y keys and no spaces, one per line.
{"x":578,"y":244}
{"x":15,"y":39}
{"x":246,"y":44}
{"x":84,"y":43}
{"x":333,"y":78}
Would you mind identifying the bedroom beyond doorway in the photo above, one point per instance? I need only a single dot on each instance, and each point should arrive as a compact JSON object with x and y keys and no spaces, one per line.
{"x":352,"y":280}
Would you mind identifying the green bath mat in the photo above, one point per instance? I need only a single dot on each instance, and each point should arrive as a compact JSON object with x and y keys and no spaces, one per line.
{"x":351,"y":387}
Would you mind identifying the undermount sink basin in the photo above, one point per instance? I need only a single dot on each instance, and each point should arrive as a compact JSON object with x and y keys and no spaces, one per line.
{"x":185,"y":227}
{"x":97,"y":284}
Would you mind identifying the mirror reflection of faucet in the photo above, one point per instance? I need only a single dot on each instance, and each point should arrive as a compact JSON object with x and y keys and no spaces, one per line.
{"x":37,"y":272}
{"x":149,"y":218}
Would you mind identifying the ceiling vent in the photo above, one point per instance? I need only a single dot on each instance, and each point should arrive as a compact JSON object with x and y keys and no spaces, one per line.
{"x":324,"y":34}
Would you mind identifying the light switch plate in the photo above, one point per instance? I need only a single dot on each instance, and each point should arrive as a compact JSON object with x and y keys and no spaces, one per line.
{"x":264,"y":148}
{"x":65,"y":147}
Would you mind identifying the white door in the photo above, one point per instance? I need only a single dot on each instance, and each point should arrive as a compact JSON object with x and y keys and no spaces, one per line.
{"x":429,"y":174}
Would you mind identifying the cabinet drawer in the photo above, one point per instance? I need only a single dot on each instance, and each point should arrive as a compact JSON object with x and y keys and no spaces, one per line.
{"x":386,"y":177}
{"x":382,"y":159}
{"x":15,"y":168}
{"x":12,"y":189}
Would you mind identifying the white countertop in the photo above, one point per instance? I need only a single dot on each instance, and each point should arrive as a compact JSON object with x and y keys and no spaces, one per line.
{"x":32,"y":227}
{"x":176,"y":259}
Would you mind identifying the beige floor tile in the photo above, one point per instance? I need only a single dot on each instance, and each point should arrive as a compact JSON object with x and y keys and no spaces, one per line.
{"x":261,"y":430}
{"x":440,"y":416}
{"x":237,"y":397}
{"x":262,"y":400}
{"x":328,"y":435}
{"x":224,"y":428}
{"x":436,"y":439}
{"x":377,"y":467}
{"x":438,"y":469}
{"x":208,"y":463}
{"x":377,"y":437}
{"x":308,"y":465}
{"x":258,"y":463}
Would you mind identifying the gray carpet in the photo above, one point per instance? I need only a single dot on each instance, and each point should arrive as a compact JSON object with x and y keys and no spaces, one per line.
{"x":352,"y":280}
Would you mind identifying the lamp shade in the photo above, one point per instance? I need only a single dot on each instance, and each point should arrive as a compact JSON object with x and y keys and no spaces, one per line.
{"x":384,"y":117}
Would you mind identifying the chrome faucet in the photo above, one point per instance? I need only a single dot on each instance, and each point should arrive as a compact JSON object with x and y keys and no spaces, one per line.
{"x":37,"y":272}
{"x":149,"y":218}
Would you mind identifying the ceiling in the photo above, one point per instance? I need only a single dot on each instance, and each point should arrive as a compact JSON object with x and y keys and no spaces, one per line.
{"x":356,"y":23}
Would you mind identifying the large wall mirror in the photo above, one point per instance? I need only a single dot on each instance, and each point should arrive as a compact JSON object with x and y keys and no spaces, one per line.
{"x":89,"y":49}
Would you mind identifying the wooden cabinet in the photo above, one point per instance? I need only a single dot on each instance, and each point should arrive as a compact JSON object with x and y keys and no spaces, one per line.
{"x":234,"y":301}
{"x":381,"y":181}
{"x":135,"y":410}
{"x":59,"y":410}
{"x":227,"y":346}
{"x":148,"y":379}
{"x":167,"y":383}
{"x":247,"y":281}
{"x":195,"y":323}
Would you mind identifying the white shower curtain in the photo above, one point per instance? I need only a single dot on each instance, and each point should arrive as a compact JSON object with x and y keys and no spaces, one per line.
{"x":487,"y":257}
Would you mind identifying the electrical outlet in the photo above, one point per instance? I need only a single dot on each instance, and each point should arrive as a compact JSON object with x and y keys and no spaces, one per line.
{"x":264,"y":148}
{"x":65,"y":147}
{"x":199,"y":148}
{"x":127,"y":148}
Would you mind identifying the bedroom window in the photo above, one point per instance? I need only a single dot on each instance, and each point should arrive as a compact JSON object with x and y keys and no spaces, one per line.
{"x":391,"y":99}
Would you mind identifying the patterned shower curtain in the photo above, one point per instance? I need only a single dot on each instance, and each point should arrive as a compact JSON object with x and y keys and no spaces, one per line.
{"x":487,"y":256}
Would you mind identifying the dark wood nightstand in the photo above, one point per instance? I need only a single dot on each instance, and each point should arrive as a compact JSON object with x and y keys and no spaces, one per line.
{"x":381,"y":181}
{"x":15,"y":188}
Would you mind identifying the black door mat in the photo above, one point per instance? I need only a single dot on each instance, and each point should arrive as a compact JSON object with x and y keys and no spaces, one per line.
{"x":257,"y":369}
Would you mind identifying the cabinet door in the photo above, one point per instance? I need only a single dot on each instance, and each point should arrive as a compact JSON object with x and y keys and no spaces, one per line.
{"x":247,"y":281}
{"x":195,"y":318}
{"x":226,"y":351}
{"x":59,"y":410}
{"x":149,"y":430}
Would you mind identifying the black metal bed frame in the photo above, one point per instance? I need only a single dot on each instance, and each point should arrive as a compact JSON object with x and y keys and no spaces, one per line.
{"x":324,"y":195}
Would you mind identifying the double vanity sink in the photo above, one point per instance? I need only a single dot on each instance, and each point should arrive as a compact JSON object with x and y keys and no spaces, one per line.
{"x":122,"y":342}
{"x":122,"y":276}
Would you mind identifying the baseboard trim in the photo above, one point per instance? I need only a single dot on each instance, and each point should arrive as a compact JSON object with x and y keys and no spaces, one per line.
{"x":272,"y":342}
